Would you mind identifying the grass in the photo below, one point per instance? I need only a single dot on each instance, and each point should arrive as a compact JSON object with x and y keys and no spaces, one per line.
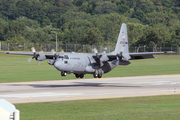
{"x":16,"y":68}
{"x":135,"y":108}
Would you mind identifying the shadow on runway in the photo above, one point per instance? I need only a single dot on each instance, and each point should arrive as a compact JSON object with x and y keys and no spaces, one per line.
{"x":77,"y":84}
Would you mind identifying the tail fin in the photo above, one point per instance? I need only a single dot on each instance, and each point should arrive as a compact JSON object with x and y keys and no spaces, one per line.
{"x":122,"y":42}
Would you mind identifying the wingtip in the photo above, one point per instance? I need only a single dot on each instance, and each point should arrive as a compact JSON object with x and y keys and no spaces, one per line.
{"x":169,"y":52}
{"x":6,"y":52}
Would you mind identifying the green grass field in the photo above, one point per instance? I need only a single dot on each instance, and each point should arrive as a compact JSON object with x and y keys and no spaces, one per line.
{"x":16,"y":68}
{"x":148,"y":108}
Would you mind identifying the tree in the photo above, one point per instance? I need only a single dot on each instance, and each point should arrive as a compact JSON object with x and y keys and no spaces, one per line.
{"x":135,"y":30}
{"x":92,"y":36}
{"x":8,"y":9}
{"x":155,"y":37}
{"x":123,"y":8}
{"x":105,"y":7}
{"x":3,"y":25}
{"x":109,"y":25}
{"x":155,"y":18}
{"x":175,"y":36}
{"x":139,"y":14}
{"x":14,"y":29}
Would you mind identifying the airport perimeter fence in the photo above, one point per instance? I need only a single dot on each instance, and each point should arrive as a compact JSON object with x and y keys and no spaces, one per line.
{"x":78,"y":48}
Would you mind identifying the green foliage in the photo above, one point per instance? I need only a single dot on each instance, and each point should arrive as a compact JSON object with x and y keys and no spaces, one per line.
{"x":155,"y":37}
{"x":176,"y":36}
{"x":105,"y":7}
{"x":92,"y":36}
{"x":73,"y":20}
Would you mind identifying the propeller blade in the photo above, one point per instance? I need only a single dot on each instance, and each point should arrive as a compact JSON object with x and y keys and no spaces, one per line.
{"x":38,"y":62}
{"x":104,"y":52}
{"x":33,"y":50}
{"x":53,"y":51}
{"x":62,"y":52}
{"x":29,"y":59}
{"x":95,"y":50}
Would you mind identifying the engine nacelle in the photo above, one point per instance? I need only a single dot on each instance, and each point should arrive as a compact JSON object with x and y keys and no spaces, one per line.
{"x":51,"y":62}
{"x":41,"y":57}
{"x":121,"y":62}
{"x":89,"y":69}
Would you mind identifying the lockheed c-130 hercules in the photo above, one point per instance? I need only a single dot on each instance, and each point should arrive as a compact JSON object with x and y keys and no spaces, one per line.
{"x":96,"y":64}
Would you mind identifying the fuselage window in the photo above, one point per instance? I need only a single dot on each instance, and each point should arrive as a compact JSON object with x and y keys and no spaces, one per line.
{"x":66,"y":57}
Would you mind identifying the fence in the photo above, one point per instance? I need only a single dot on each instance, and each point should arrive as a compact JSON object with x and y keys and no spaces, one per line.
{"x":78,"y":48}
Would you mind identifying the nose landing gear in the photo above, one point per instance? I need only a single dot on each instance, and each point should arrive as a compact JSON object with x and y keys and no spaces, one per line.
{"x":63,"y":73}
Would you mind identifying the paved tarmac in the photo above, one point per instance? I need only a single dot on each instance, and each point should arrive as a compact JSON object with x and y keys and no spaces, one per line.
{"x":62,"y":90}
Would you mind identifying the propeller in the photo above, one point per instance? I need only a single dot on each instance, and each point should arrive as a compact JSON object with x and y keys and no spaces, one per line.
{"x":56,"y":55}
{"x":95,"y":50}
{"x":124,"y":57}
{"x":100,"y":57}
{"x":38,"y":56}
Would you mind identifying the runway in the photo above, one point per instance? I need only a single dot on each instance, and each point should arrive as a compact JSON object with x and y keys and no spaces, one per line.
{"x":77,"y":89}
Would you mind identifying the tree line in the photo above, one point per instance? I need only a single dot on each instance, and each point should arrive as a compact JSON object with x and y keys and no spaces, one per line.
{"x":92,"y":22}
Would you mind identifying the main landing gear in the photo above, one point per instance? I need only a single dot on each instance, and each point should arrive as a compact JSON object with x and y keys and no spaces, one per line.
{"x":63,"y":73}
{"x":98,"y":73}
{"x":79,"y":75}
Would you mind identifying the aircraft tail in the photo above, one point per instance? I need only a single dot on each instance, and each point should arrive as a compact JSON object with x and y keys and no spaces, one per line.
{"x":122,"y":42}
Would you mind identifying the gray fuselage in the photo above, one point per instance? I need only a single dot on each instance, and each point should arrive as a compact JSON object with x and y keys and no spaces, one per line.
{"x":80,"y":64}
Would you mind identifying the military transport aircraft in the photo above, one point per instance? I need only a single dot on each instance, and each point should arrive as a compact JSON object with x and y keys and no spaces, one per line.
{"x":97,"y":63}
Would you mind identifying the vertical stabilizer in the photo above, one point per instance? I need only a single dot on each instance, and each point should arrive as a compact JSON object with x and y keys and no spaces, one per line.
{"x":122,"y":42}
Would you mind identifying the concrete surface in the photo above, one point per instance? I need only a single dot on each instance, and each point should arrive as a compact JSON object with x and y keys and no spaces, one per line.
{"x":62,"y":90}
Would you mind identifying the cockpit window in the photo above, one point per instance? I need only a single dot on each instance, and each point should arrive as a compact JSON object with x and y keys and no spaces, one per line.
{"x":66,"y":57}
{"x":60,"y":57}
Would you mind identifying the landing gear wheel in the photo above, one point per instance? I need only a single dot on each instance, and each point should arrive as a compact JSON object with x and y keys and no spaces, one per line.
{"x":63,"y":73}
{"x":95,"y":74}
{"x":81,"y":75}
{"x":77,"y":76}
{"x":99,"y":73}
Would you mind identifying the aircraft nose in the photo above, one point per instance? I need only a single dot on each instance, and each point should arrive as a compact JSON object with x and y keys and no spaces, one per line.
{"x":57,"y":65}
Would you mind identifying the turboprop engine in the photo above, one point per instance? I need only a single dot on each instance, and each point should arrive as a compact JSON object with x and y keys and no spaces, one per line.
{"x":38,"y":56}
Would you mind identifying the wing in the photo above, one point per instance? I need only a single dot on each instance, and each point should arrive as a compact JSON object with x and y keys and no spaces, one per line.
{"x":134,"y":56}
{"x":146,"y":55}
{"x":47,"y":55}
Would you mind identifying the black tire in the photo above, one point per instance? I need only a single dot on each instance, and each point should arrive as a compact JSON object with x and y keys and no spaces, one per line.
{"x":99,"y":75}
{"x":95,"y":74}
{"x":81,"y":75}
{"x":62,"y":73}
{"x":77,"y":76}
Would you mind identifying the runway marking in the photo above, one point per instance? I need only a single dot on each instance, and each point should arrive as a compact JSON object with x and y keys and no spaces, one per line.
{"x":37,"y":95}
{"x":98,"y":96}
{"x":26,"y":82}
{"x":167,"y":92}
{"x":100,"y":78}
{"x":172,"y":75}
